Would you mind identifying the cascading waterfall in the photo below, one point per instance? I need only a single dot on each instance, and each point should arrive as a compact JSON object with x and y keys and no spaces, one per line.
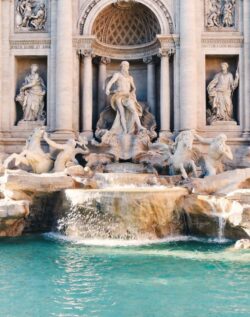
{"x":224,"y":210}
{"x":121,"y":212}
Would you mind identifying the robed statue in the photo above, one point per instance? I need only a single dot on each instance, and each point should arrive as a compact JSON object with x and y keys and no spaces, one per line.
{"x":220,"y":92}
{"x":124,"y":102}
{"x":31,"y":96}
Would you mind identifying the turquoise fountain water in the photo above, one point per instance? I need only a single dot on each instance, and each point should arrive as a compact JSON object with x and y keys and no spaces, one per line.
{"x":48,"y":276}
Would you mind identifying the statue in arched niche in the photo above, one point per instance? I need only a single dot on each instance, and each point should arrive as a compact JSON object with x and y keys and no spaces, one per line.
{"x":124,"y":102}
{"x":31,"y":96}
{"x":220,"y":92}
{"x":126,"y":124}
{"x":124,"y":114}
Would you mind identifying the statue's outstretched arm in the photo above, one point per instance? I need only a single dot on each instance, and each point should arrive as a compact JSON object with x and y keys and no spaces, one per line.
{"x":202,"y":140}
{"x":52,"y":143}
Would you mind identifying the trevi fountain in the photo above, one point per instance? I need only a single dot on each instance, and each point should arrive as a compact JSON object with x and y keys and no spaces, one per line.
{"x":125,"y":158}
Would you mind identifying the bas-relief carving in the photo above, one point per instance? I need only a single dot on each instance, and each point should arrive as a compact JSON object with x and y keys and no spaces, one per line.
{"x":30,"y":15}
{"x":220,"y":14}
{"x":31,"y":96}
{"x":220,"y":91}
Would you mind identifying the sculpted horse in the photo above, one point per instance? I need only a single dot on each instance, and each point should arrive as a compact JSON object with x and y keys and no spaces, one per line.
{"x":182,"y":159}
{"x":32,"y":156}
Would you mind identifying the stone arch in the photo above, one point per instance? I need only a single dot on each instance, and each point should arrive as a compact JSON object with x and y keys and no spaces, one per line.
{"x":91,"y":10}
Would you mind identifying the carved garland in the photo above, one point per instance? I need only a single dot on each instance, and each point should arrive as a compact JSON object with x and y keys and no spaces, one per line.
{"x":158,"y":2}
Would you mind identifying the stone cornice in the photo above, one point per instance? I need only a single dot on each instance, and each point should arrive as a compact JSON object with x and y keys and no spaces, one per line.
{"x":30,"y":44}
{"x":227,"y":41}
{"x":116,"y":52}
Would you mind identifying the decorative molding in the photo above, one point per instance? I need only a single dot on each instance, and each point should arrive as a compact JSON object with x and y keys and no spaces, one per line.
{"x":223,"y":42}
{"x":127,"y":53}
{"x":166,"y":52}
{"x":105,"y":60}
{"x":116,"y":52}
{"x":148,"y":60}
{"x":30,"y":44}
{"x":168,"y":42}
{"x":86,"y":53}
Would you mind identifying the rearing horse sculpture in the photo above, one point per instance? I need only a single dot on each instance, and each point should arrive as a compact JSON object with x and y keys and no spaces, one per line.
{"x":182,"y":159}
{"x":32,"y":155}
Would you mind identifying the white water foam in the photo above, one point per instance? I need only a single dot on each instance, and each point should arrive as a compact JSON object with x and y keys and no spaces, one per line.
{"x":128,"y":243}
{"x":132,"y":248}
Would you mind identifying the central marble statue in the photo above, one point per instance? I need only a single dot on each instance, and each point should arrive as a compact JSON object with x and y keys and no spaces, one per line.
{"x":126,"y":126}
{"x":124,"y":102}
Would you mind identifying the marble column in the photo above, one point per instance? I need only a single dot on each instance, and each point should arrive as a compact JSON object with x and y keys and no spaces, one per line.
{"x":7,"y":112}
{"x":246,"y":112}
{"x":102,"y":76}
{"x":51,"y":110}
{"x":165,"y":91}
{"x":188,"y":65}
{"x":1,"y":58}
{"x":87,"y":96}
{"x":64,"y":71}
{"x":151,"y":92}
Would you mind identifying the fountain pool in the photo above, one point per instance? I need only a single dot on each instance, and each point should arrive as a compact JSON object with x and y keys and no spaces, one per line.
{"x":49,"y":275}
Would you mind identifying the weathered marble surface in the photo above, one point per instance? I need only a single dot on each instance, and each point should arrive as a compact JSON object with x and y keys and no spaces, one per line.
{"x":215,"y":216}
{"x":31,"y":96}
{"x":220,"y":91}
{"x":223,"y":183}
{"x":12,"y":217}
{"x":152,"y":207}
{"x":123,"y":213}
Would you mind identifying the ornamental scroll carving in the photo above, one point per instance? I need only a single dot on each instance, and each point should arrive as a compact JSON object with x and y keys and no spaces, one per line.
{"x":220,"y":14}
{"x":30,"y":15}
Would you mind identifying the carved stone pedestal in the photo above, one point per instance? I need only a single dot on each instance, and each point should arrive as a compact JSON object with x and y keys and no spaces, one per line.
{"x":30,"y":125}
{"x":224,"y":124}
{"x":128,"y":146}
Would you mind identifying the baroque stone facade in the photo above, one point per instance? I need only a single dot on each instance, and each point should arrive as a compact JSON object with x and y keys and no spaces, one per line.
{"x":175,"y":49}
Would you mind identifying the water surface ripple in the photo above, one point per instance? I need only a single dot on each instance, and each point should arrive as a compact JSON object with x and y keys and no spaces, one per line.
{"x":51,"y":276}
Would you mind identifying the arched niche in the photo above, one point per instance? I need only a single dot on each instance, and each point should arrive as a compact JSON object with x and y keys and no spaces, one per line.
{"x":92,"y":8}
{"x":137,"y":31}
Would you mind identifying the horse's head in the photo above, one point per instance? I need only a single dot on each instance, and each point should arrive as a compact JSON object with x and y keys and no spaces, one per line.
{"x":38,"y":133}
{"x":185,"y":139}
{"x":33,"y":143}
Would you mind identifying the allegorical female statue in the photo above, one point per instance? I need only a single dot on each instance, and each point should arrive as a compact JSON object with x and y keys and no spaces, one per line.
{"x":31,"y":96}
{"x":220,"y":91}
